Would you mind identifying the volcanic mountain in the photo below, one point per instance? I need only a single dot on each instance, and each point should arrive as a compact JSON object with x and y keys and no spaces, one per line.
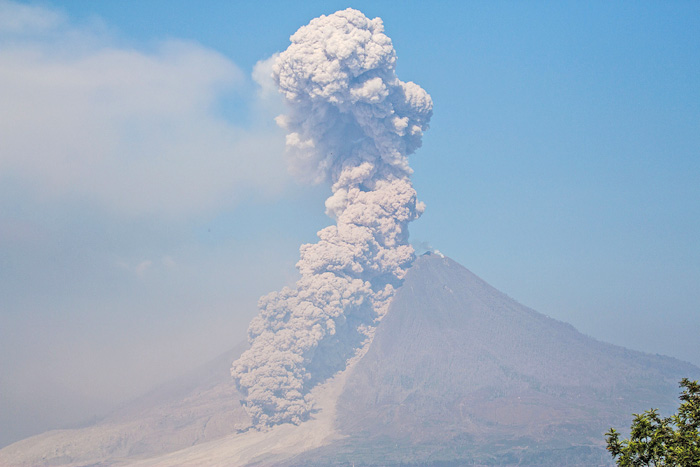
{"x":458,"y":373}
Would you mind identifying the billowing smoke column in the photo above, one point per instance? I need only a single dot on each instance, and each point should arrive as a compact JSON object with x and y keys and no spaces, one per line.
{"x":351,"y":122}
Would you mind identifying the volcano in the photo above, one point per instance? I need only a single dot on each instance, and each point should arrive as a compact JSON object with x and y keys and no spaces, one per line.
{"x":457,"y":373}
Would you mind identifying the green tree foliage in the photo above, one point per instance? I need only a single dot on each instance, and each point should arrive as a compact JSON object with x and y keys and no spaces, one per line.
{"x":659,"y":441}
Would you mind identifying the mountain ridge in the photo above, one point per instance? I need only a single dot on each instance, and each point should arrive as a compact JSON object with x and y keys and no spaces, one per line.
{"x":458,"y":373}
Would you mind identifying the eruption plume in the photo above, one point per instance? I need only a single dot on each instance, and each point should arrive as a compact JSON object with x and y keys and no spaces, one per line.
{"x":351,"y":122}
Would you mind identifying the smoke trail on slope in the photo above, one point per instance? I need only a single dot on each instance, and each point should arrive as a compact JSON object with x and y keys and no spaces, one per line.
{"x":351,"y":122}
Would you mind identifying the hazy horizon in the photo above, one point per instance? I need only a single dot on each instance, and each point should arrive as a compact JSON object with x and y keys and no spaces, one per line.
{"x":146,"y":202}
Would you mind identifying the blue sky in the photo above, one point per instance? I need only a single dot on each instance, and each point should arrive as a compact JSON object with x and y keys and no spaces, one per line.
{"x":145,"y":204}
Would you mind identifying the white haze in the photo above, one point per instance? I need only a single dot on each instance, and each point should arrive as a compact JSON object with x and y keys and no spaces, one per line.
{"x":351,"y":123}
{"x":134,"y":131}
{"x":115,"y":260}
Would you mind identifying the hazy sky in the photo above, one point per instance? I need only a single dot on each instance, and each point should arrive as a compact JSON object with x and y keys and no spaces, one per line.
{"x":145,"y":203}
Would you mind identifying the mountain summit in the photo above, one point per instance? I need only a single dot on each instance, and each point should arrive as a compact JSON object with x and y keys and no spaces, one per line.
{"x":458,"y":373}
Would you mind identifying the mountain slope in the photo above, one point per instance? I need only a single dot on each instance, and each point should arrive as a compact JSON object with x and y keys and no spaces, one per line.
{"x":200,"y":406}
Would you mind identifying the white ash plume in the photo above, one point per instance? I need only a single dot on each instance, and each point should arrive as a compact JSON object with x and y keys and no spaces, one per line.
{"x":353,"y":123}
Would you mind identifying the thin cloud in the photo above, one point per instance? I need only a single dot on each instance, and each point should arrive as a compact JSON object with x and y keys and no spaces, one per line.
{"x":26,"y":19}
{"x":136,"y":132}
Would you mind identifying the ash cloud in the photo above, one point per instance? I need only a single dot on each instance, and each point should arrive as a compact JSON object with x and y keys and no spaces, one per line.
{"x":352,"y":123}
